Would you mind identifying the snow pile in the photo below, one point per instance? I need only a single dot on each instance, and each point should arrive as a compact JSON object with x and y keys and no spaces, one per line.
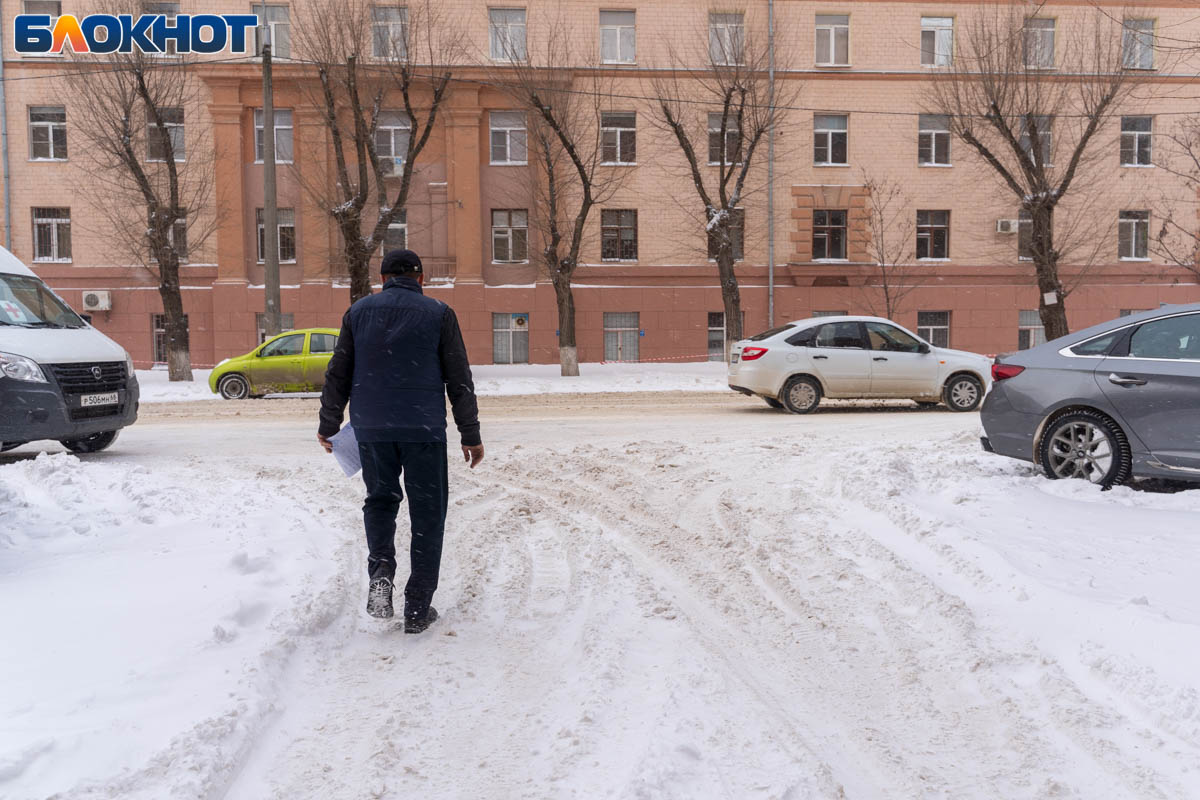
{"x":156,"y":388}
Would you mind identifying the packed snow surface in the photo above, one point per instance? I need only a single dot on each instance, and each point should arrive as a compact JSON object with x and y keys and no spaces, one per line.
{"x":706,"y":601}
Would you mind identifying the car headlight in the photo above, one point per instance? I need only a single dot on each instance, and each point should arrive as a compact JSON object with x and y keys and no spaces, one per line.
{"x":20,"y":368}
{"x":128,"y":365}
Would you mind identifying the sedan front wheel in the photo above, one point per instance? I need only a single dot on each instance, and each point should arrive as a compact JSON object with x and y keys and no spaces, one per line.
{"x":1086,"y":445}
{"x":234,"y":387}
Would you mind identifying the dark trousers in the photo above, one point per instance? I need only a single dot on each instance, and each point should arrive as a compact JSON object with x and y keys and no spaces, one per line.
{"x":423,"y":466}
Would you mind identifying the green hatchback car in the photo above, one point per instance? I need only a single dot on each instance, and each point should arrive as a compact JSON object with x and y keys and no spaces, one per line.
{"x":294,"y":361}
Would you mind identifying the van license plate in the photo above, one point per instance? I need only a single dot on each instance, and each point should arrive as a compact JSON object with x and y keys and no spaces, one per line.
{"x":90,"y":400}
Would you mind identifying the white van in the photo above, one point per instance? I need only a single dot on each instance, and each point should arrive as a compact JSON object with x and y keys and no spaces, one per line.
{"x":60,"y":378}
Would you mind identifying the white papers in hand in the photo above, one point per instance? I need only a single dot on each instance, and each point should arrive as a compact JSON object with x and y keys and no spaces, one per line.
{"x":345,"y":450}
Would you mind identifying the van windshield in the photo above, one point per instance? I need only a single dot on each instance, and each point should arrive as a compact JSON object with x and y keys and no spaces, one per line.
{"x":27,"y":303}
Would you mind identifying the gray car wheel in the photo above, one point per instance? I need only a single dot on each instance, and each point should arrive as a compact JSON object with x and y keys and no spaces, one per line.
{"x":963,"y":393}
{"x":800,"y":394}
{"x":234,"y":387}
{"x":91,"y":444}
{"x":1086,"y":445}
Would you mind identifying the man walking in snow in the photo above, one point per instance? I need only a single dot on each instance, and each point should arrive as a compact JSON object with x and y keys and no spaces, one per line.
{"x":399,"y":354}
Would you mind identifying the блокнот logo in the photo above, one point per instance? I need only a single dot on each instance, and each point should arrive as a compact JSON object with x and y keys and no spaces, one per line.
{"x":41,"y":34}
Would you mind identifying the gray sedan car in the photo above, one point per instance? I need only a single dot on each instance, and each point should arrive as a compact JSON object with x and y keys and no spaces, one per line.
{"x":1115,"y":401}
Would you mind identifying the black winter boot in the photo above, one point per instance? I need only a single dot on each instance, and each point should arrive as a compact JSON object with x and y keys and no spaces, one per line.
{"x":382,"y":571}
{"x":415,"y":623}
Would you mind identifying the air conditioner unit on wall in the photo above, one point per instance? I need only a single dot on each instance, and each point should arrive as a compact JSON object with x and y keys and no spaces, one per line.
{"x":97,"y":301}
{"x":1006,"y":226}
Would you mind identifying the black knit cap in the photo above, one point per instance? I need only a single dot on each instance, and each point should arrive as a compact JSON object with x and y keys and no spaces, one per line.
{"x":400,"y":262}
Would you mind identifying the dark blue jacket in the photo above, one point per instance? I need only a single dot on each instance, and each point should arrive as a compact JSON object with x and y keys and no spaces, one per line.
{"x":399,"y":354}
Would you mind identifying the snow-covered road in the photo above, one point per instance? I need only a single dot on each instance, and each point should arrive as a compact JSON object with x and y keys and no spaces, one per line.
{"x":651,"y":597}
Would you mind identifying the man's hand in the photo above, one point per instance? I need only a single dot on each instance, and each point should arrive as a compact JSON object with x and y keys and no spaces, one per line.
{"x":328,"y":445}
{"x":473,"y":453}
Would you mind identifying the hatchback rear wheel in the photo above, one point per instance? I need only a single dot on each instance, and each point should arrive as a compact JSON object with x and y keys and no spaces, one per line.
{"x":800,"y":394}
{"x":1086,"y":445}
{"x":963,"y":393}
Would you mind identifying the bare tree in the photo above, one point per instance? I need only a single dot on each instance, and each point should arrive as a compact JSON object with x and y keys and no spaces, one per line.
{"x":565,"y":94}
{"x":720,"y":114}
{"x":374,"y":64}
{"x":1027,"y":95}
{"x":892,"y":224}
{"x":146,"y":143}
{"x":1177,"y":240}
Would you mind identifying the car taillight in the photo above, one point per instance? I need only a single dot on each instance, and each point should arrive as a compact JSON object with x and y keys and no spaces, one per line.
{"x":1004,"y":371}
{"x":751,"y":353}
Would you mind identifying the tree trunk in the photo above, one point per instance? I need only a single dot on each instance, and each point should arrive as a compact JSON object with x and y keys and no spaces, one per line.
{"x":1045,"y":259}
{"x":179,"y":360}
{"x":358,"y":264}
{"x":568,"y":356}
{"x":731,"y":295}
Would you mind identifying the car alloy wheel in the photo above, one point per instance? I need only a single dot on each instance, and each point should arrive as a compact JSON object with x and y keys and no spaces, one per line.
{"x":234,"y":387}
{"x":801,"y":395}
{"x":1088,"y":446}
{"x":964,"y":392}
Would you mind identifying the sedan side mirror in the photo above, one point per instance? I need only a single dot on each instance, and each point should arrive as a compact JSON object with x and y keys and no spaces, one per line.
{"x":923,"y":349}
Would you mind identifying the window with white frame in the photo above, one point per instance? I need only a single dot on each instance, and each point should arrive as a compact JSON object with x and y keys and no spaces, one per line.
{"x":829,"y":235}
{"x":1133,"y":235}
{"x":1136,"y":142}
{"x":283,"y":135}
{"x":1024,"y":235}
{"x":396,"y":237}
{"x":1137,"y":44}
{"x":618,"y":137}
{"x":618,"y":37}
{"x":287,"y":322}
{"x":389,"y":32}
{"x":509,"y":144}
{"x":726,"y":38}
{"x":933,"y":234}
{"x":934,"y":327}
{"x":285,"y":223}
{"x":731,"y":153}
{"x":937,"y":41}
{"x":279,"y":30}
{"x":621,"y":334}
{"x":933,"y":140}
{"x":48,"y":133}
{"x":510,"y":338}
{"x":1030,"y":332}
{"x":392,"y":133}
{"x":716,"y":334}
{"x":1039,"y":43}
{"x":506,"y":34}
{"x":1037,"y":138}
{"x":169,"y":139}
{"x":510,"y":235}
{"x":829,"y":139}
{"x":51,"y":234}
{"x":833,"y":40}
{"x":737,"y":235}
{"x":618,"y":234}
{"x":158,"y":329}
{"x":177,"y":238}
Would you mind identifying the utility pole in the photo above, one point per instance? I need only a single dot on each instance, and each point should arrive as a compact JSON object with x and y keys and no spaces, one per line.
{"x":771,"y":166}
{"x":271,"y":317}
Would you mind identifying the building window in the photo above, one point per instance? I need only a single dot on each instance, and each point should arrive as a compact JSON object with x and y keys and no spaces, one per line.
{"x":396,"y":237}
{"x":392,"y":133}
{"x":1137,"y":44}
{"x":1135,"y":141}
{"x":170,"y":10}
{"x":280,"y":30}
{"x":177,"y":238}
{"x":1030,"y":332}
{"x":933,"y":234}
{"x":389,"y":32}
{"x":934,"y":327}
{"x":283,"y":135}
{"x":618,"y":235}
{"x":829,"y":235}
{"x":737,"y":232}
{"x":510,"y":338}
{"x":1127,"y":312}
{"x":618,"y":37}
{"x":731,"y":153}
{"x":287,"y":322}
{"x":51,"y":234}
{"x":1039,"y":43}
{"x":159,"y":142}
{"x":510,"y":235}
{"x":51,"y":8}
{"x":937,"y":41}
{"x":506,"y":34}
{"x":716,"y":334}
{"x":833,"y":40}
{"x":829,"y":139}
{"x":933,"y":140}
{"x":1133,"y":235}
{"x":1037,"y":138}
{"x":48,"y":133}
{"x":830,"y":313}
{"x":285,"y":219}
{"x":618,"y":137}
{"x":509,"y":145}
{"x":621,"y":333}
{"x":1024,"y":235}
{"x":726,"y":38}
{"x":158,"y":332}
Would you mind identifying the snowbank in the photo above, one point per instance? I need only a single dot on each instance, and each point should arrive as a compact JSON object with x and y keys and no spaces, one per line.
{"x":155,"y":387}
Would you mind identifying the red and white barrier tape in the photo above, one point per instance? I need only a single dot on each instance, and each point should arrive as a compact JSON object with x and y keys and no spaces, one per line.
{"x":664,"y":358}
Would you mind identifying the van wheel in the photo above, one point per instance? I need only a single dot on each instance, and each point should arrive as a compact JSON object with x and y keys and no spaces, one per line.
{"x":90,"y":444}
{"x":963,"y":393}
{"x":1086,"y":445}
{"x":800,"y":394}
{"x":234,"y":387}
{"x":6,"y":446}
{"x":773,"y":403}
